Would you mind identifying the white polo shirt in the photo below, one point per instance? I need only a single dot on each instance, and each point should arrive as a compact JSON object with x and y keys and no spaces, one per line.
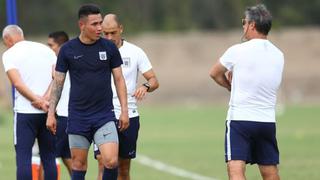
{"x":134,"y":61}
{"x":257,"y":67}
{"x":34,"y":62}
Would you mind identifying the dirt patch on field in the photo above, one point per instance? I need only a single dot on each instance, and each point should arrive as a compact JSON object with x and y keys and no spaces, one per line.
{"x":182,"y":62}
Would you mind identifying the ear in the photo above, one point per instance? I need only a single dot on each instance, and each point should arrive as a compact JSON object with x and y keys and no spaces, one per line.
{"x":121,"y":29}
{"x":252,"y":25}
{"x":81,"y":24}
{"x":8,"y":42}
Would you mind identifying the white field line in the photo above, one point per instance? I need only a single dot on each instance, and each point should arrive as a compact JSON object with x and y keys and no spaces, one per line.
{"x":142,"y":159}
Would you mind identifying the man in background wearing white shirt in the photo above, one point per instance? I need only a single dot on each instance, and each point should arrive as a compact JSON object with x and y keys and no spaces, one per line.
{"x":134,"y":61}
{"x":55,"y":41}
{"x":29,"y":67}
{"x":256,"y":67}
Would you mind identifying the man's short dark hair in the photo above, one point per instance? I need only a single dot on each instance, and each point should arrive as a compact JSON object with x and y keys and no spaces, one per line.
{"x":88,"y":9}
{"x":59,"y":37}
{"x":261,"y":16}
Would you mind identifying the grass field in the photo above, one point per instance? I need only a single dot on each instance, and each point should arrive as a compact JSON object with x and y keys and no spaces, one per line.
{"x":192,"y":139}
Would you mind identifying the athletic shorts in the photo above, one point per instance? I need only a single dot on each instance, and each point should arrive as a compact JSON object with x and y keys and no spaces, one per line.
{"x":127,"y":140}
{"x":62,"y":142}
{"x":105,"y":134}
{"x":252,"y":142}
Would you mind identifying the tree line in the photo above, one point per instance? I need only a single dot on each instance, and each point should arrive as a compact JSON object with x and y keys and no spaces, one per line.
{"x":41,"y":17}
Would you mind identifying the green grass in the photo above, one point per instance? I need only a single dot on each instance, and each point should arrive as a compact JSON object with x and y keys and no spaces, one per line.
{"x":193,"y":139}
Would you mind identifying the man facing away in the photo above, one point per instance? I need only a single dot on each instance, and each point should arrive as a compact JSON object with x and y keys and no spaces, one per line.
{"x":29,"y":67}
{"x":90,"y":61}
{"x":134,"y":61}
{"x":256,"y":67}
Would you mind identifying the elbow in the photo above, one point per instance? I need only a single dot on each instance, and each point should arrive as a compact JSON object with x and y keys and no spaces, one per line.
{"x":213,"y":75}
{"x":156,"y":85}
{"x":17,"y":85}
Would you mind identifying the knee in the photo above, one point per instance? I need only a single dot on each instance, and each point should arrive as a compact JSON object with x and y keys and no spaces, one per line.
{"x":79,"y":164}
{"x":111,"y":162}
{"x":269,"y":172}
{"x":236,"y":170}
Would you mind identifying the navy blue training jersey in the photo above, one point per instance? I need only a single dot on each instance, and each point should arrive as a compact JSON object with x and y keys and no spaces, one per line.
{"x":90,"y":75}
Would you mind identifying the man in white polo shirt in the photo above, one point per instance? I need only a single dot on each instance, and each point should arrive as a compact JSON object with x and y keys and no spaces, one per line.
{"x":29,"y":66}
{"x":134,"y":61}
{"x":256,"y":66}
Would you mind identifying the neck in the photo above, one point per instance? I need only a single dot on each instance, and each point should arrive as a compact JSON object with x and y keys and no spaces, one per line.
{"x":256,"y":36}
{"x":85,"y":40}
{"x":120,"y":43}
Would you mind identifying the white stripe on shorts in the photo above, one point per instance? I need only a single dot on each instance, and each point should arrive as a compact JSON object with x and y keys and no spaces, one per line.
{"x":15,"y":128}
{"x":228,"y":141}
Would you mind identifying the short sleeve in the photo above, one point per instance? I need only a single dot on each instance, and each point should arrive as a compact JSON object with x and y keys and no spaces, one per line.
{"x":116,"y":59}
{"x":62,"y":61}
{"x":52,"y":57}
{"x":229,"y":58}
{"x":144,"y":64}
{"x":8,"y":62}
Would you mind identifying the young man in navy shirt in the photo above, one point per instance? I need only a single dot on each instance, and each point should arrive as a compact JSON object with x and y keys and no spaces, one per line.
{"x":90,"y":61}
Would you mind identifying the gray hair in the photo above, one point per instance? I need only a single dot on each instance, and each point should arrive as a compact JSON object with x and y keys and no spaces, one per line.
{"x":11,"y":30}
{"x":261,"y":16}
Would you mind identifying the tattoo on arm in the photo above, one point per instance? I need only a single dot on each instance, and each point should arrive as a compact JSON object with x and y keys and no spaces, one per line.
{"x":56,"y":90}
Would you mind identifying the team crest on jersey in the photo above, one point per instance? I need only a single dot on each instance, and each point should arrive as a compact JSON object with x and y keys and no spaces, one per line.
{"x":126,"y":62}
{"x":103,"y":55}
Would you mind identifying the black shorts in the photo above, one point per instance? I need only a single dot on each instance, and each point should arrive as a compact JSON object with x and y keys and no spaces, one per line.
{"x":62,"y":142}
{"x":252,"y":142}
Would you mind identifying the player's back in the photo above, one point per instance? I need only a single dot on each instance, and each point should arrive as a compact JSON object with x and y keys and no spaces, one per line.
{"x":257,"y":74}
{"x":34,"y":62}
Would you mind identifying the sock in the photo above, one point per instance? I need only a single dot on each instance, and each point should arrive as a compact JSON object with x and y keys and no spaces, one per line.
{"x":78,"y":175}
{"x":110,"y":174}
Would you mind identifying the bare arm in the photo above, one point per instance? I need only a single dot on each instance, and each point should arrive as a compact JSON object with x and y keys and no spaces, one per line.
{"x":54,"y":99}
{"x":152,"y":80}
{"x":16,"y":80}
{"x":217,"y":73}
{"x":122,"y":95}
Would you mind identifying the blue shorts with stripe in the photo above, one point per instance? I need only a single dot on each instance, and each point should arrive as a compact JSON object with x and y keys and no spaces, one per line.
{"x":62,"y":142}
{"x":127,"y":140}
{"x":252,"y":142}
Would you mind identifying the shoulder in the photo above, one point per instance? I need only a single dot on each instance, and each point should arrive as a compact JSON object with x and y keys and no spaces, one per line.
{"x":235,"y":48}
{"x":131,"y":46}
{"x":106,"y":43}
{"x":275,"y":49}
{"x":69,"y":46}
{"x":71,"y":43}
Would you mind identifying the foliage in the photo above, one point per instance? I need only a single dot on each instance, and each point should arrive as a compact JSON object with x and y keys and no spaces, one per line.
{"x":165,"y":15}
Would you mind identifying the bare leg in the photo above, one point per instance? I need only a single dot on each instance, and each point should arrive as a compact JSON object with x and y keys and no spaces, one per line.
{"x":79,"y":159}
{"x":100,"y":167}
{"x":236,"y":170}
{"x":41,"y":176}
{"x":269,"y":172}
{"x":109,"y":154}
{"x":124,"y":169}
{"x":68,"y":163}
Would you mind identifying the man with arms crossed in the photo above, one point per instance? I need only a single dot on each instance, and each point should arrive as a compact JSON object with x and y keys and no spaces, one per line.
{"x":134,"y":61}
{"x":90,"y":61}
{"x":29,"y":67}
{"x":256,"y":67}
